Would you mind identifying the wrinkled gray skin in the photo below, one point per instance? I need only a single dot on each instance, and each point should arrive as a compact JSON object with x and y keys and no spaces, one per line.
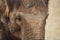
{"x":28,"y":26}
{"x":25,"y":25}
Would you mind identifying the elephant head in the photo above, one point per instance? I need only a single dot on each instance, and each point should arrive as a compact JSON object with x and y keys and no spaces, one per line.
{"x":27,"y":25}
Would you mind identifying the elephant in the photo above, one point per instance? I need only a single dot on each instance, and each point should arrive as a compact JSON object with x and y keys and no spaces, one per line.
{"x":25,"y":20}
{"x":29,"y":26}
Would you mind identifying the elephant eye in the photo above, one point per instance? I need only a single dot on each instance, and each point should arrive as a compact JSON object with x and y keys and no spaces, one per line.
{"x":18,"y":18}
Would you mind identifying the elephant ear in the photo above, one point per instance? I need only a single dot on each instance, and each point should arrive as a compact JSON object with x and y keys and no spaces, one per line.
{"x":3,"y":11}
{"x":4,"y":19}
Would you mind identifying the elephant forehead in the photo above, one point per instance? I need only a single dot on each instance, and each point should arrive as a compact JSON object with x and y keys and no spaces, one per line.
{"x":33,"y":16}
